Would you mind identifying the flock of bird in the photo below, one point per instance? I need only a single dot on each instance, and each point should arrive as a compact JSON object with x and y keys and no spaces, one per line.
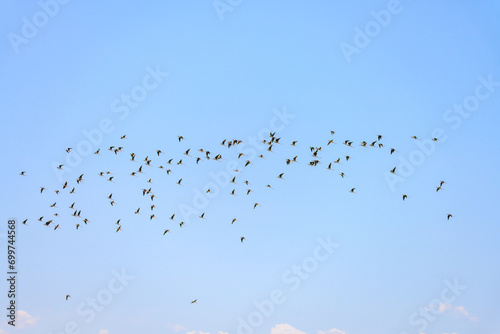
{"x":206,"y":155}
{"x":202,"y":155}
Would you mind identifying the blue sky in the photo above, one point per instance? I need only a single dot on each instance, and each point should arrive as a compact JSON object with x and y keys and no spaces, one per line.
{"x":316,"y":258}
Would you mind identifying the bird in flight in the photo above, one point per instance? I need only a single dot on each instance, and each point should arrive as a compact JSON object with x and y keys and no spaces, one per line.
{"x":404,"y":197}
{"x":67,"y":296}
{"x":194,"y":301}
{"x":449,"y":216}
{"x":242,"y":238}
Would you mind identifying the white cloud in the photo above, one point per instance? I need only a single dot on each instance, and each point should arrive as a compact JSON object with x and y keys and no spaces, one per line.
{"x":24,"y":319}
{"x":458,"y":311}
{"x":332,"y":331}
{"x":461,"y":311}
{"x":200,"y":332}
{"x":443,"y":307}
{"x":103,"y":331}
{"x":176,"y":327}
{"x":285,"y":329}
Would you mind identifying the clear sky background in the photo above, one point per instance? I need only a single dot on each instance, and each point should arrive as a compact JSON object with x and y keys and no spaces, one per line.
{"x":232,"y":68}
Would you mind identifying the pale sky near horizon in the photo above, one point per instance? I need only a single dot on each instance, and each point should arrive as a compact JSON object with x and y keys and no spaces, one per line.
{"x":316,"y":258}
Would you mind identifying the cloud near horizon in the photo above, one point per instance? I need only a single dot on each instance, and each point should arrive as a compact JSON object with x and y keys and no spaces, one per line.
{"x":176,"y":327}
{"x":24,"y":319}
{"x":332,"y":331}
{"x":277,"y":329}
{"x":289,"y":329}
{"x":458,"y":311}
